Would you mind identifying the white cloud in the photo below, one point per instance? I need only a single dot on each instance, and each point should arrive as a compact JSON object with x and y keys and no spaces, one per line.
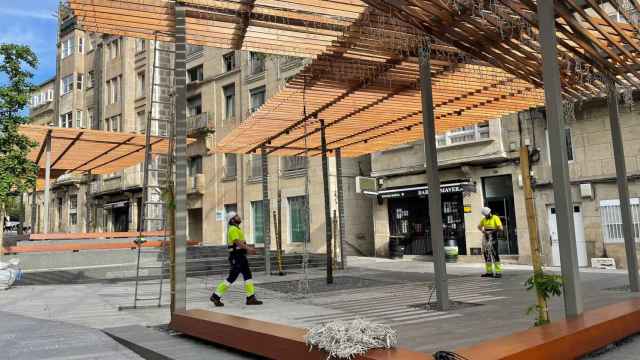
{"x":26,"y":13}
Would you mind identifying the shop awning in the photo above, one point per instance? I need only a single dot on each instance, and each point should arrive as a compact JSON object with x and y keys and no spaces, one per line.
{"x":422,"y":190}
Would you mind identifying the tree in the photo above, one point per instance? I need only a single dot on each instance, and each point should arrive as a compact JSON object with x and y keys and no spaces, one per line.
{"x":17,"y":173}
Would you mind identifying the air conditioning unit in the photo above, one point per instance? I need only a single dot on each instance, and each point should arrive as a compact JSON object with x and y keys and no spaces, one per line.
{"x":366,"y":184}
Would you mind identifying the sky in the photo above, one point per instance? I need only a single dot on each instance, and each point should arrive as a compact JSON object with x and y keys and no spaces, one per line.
{"x":32,"y":22}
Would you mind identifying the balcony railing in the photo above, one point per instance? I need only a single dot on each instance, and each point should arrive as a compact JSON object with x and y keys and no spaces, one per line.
{"x":197,"y":123}
{"x":196,"y":184}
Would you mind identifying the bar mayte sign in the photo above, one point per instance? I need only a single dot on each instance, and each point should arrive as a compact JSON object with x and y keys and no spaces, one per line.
{"x":423,"y":190}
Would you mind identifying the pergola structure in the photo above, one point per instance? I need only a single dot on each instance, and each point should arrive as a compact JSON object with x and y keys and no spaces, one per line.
{"x":69,"y":150}
{"x":373,"y":61}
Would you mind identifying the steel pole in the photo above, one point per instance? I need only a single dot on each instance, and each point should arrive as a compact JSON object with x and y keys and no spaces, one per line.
{"x":266,"y":209}
{"x":327,"y":203}
{"x":623,"y":187}
{"x":573,"y":301}
{"x":180,"y":243}
{"x":47,"y":181}
{"x":433,"y":180}
{"x":341,"y":219}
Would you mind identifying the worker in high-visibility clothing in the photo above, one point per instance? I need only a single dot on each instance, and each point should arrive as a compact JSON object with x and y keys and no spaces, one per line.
{"x":239,"y":264}
{"x":489,"y":226}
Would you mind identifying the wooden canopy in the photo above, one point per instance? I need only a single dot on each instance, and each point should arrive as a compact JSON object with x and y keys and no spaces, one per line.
{"x":302,"y":28}
{"x":80,"y":150}
{"x":362,"y":80}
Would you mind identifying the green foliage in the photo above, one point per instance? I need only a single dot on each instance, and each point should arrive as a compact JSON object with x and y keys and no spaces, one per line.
{"x":17,"y":174}
{"x":545,"y":286}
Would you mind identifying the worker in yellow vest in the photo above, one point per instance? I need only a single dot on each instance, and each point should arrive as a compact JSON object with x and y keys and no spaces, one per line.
{"x":489,"y":226}
{"x":239,"y":264}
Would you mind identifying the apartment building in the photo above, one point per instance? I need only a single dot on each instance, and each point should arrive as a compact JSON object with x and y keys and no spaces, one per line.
{"x":42,"y":105}
{"x":104,"y":82}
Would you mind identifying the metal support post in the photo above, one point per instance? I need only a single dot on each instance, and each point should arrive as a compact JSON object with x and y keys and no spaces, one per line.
{"x":47,"y":181}
{"x":34,"y":210}
{"x":623,"y":187}
{"x":180,"y":243}
{"x":433,"y":181}
{"x":327,"y":203}
{"x":573,"y":301}
{"x":341,"y":220}
{"x":266,"y":209}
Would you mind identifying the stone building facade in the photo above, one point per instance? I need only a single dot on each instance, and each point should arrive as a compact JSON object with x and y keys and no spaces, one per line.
{"x":104,"y":82}
{"x":480,"y":167}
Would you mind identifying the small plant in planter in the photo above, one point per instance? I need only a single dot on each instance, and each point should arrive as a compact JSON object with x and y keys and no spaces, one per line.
{"x":546,"y":286}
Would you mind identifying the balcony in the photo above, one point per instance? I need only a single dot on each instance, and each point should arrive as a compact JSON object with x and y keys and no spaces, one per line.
{"x":129,"y":179}
{"x":198,"y":123}
{"x":68,"y":179}
{"x":196,"y":184}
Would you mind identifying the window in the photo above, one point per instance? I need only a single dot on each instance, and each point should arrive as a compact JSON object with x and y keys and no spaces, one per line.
{"x":140,"y":84}
{"x":50,"y":95}
{"x":90,"y":79}
{"x":466,"y":134}
{"x":80,"y":45}
{"x":196,"y":73}
{"x":194,"y":105}
{"x":66,"y":120}
{"x":257,"y":222}
{"x":567,"y":135}
{"x":79,"y":81}
{"x":140,"y":45}
{"x":256,"y":165}
{"x":66,"y":84}
{"x":89,"y":117}
{"x":79,"y":119}
{"x":611,"y":219}
{"x":256,"y":63}
{"x":114,"y":49}
{"x":73,"y":209}
{"x":113,"y":89}
{"x":568,"y":139}
{"x":229,"y":101}
{"x":230,"y":166}
{"x":141,"y":121}
{"x":229,"y":61}
{"x":195,"y":165}
{"x":297,"y":219}
{"x":67,"y":47}
{"x":112,"y":123}
{"x":293,"y":163}
{"x":257,"y":97}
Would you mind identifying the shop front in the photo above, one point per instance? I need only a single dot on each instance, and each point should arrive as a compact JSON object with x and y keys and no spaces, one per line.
{"x":409,"y":216}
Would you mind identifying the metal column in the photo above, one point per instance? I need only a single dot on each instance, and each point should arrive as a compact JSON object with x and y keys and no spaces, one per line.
{"x":573,"y":301}
{"x":433,"y":180}
{"x":343,"y":239}
{"x":327,"y":203}
{"x":34,"y":210}
{"x":47,"y":181}
{"x":623,"y":187}
{"x":180,"y":243}
{"x":266,"y":209}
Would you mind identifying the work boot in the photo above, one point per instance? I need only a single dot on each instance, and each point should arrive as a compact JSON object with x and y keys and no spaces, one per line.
{"x":497,"y":276}
{"x":215,"y":299}
{"x":252,"y":300}
{"x":486,"y":275}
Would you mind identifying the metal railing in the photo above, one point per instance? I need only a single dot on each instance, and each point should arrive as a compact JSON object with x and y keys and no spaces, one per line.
{"x":196,"y":184}
{"x":198,"y":122}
